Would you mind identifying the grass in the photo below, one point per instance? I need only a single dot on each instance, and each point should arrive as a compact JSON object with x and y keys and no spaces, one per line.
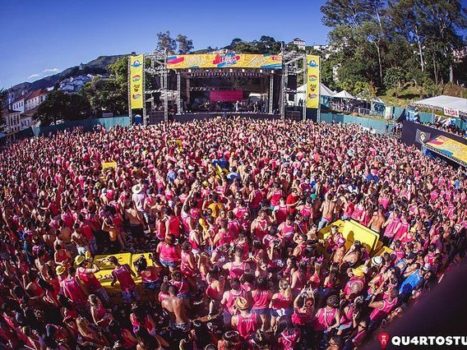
{"x":411,"y":93}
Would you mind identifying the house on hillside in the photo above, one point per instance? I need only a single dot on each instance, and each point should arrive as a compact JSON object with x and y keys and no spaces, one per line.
{"x":18,"y":104}
{"x":12,"y":121}
{"x":74,"y":84}
{"x":34,"y":99}
{"x":299,"y":42}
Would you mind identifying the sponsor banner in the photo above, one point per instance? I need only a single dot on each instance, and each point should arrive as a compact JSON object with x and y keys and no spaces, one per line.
{"x":136,"y":81}
{"x":451,"y":112}
{"x":449,"y":148}
{"x":227,"y":60}
{"x":313,"y":79}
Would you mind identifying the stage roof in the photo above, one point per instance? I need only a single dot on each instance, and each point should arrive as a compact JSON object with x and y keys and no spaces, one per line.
{"x":449,"y":148}
{"x":225,"y":60}
{"x":443,"y":101}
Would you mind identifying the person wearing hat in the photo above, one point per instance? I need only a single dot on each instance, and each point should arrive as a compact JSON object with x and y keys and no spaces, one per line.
{"x":245,"y":323}
{"x":85,"y":273}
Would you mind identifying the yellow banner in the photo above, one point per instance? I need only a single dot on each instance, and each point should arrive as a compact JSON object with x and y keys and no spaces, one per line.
{"x":312,"y":84}
{"x":136,"y":81}
{"x":227,"y":60}
{"x":450,"y":148}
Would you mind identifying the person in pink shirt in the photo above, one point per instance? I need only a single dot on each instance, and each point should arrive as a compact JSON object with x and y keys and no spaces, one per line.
{"x":123,"y":274}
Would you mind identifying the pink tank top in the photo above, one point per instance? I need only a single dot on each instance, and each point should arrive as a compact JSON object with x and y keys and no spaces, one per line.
{"x":124,"y":277}
{"x":72,"y":290}
{"x":185,"y":267}
{"x":237,"y":269}
{"x":261,"y":299}
{"x":324,"y":318}
{"x":247,"y":325}
{"x":169,"y":253}
{"x":384,"y":310}
{"x":91,"y":282}
{"x":281,"y":302}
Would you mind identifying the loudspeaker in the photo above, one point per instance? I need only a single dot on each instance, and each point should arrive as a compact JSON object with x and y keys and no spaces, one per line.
{"x":292,"y":82}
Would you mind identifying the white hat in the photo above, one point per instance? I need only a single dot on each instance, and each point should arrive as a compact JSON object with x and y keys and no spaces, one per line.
{"x":376,"y":260}
{"x":137,"y":189}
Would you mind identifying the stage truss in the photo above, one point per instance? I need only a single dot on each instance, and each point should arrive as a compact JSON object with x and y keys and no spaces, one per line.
{"x":293,"y":63}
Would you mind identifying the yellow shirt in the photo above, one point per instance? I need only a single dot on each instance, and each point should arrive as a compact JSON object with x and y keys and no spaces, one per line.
{"x":215,"y":208}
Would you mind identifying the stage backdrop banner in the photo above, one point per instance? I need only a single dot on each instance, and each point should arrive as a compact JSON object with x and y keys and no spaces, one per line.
{"x":312,"y":84}
{"x":227,"y":60}
{"x":226,"y":96}
{"x":136,"y":81}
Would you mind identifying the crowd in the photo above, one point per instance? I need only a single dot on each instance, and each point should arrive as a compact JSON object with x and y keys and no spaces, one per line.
{"x":451,"y":128}
{"x":230,"y":210}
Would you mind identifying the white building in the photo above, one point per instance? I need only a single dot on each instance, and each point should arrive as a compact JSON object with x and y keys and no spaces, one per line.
{"x":74,"y":84}
{"x":12,"y":121}
{"x":19,"y":105}
{"x":300,"y":43}
{"x":34,"y":99}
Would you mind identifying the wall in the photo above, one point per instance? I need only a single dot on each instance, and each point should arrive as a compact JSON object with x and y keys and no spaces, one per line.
{"x":87,"y":124}
{"x":379,"y":125}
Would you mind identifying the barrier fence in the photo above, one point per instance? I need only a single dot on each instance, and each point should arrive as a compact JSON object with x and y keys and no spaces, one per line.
{"x":380,"y":126}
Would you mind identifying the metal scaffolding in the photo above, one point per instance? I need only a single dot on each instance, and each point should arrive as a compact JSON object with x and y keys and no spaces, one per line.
{"x":293,"y":63}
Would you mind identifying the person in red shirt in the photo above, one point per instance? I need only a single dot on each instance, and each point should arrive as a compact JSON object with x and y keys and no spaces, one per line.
{"x":293,"y":199}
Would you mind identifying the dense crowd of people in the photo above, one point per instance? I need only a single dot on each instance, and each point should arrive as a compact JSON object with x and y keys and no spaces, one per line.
{"x":230,"y":210}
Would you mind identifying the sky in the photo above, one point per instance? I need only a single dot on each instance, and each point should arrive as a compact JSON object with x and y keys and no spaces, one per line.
{"x":42,"y":37}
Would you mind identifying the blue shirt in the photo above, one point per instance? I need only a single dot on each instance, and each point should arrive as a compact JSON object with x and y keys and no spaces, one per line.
{"x":411,"y":282}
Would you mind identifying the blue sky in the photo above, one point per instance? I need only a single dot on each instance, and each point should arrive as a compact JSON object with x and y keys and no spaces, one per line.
{"x":41,"y":37}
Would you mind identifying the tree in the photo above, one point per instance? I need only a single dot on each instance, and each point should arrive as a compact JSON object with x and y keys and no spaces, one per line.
{"x":394,"y":79}
{"x":110,"y":94}
{"x":371,"y":36}
{"x":185,"y":45}
{"x":59,"y":105}
{"x":166,"y":43}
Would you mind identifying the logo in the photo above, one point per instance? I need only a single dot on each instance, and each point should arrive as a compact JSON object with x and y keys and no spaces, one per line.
{"x":229,"y":59}
{"x":136,"y":78}
{"x":383,"y":339}
{"x":136,"y":96}
{"x":313,"y":87}
{"x":312,"y":77}
{"x":423,"y":136}
{"x":312,"y":95}
{"x":312,"y":63}
{"x":136,"y":64}
{"x":136,"y":87}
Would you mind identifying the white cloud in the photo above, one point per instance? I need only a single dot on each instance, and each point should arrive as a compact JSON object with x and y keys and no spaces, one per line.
{"x":34,"y":76}
{"x":51,"y":70}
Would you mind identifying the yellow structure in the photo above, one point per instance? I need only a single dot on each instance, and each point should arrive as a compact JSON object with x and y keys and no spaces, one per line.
{"x":104,"y":275}
{"x":354,"y":231}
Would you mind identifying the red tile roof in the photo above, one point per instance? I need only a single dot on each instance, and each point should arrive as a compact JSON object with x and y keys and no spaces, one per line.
{"x":36,"y":93}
